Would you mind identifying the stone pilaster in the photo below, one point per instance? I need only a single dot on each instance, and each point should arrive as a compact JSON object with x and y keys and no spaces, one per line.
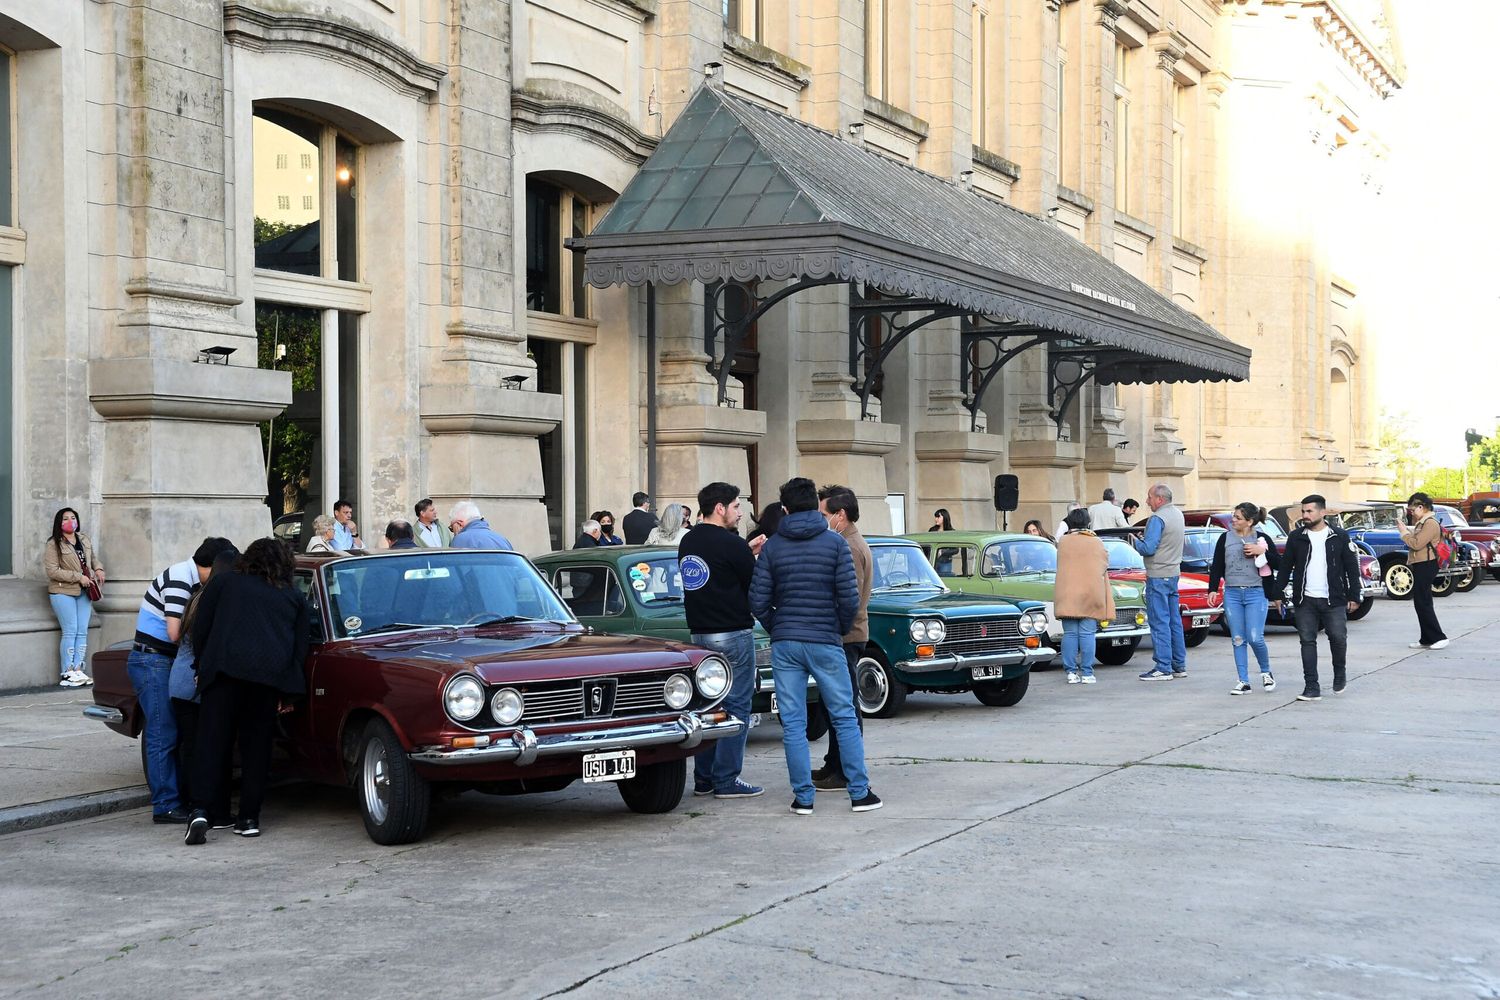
{"x":181,"y":455}
{"x":1032,"y":93}
{"x":832,"y":33}
{"x":484,"y":437}
{"x":954,"y":462}
{"x":1159,"y":83}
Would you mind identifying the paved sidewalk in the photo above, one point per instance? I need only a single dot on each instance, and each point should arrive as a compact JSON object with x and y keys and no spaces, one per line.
{"x":57,"y":766}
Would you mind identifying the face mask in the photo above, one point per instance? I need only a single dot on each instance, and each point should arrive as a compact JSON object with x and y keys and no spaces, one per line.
{"x":608,"y":529}
{"x":69,"y":527}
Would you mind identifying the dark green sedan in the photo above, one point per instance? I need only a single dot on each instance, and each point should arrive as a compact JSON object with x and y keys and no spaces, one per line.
{"x":637,"y":590}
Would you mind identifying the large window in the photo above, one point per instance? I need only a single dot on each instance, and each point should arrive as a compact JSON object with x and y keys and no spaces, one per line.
{"x":878,"y":49}
{"x":1067,"y":148}
{"x":554,"y":275}
{"x":747,"y":17}
{"x":307,"y":309}
{"x":1183,"y":113}
{"x":1124,"y":58}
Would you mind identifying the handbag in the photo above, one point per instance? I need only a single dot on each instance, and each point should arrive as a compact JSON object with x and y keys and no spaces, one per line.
{"x":92,"y":590}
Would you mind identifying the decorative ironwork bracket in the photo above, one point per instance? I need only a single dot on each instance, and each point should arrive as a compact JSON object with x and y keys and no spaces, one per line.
{"x":717,"y":321}
{"x":1067,"y":373}
{"x":985,"y":349}
{"x":868,"y":353}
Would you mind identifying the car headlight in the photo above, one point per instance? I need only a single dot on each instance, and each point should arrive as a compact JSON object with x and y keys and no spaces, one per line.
{"x":713,"y":678}
{"x":1038,"y":621}
{"x":1458,"y":536}
{"x":463,"y":698}
{"x":677,"y":691}
{"x":928,"y":630}
{"x":507,"y":706}
{"x":1026,"y":624}
{"x":1140,"y":618}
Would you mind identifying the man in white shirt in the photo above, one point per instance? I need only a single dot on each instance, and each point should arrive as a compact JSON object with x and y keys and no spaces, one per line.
{"x":1062,"y":526}
{"x":431,"y":533}
{"x":1321,"y":564}
{"x":1105,"y":514}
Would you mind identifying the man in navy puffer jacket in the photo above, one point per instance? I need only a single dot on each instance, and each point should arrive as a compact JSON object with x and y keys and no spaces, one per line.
{"x":805,"y":594}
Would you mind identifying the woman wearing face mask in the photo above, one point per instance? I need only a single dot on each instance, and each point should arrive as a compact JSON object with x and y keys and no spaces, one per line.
{"x":70,"y":565}
{"x":607,"y":534}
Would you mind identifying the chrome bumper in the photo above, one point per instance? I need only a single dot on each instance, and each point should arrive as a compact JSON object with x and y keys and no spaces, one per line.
{"x":1372,"y":590}
{"x":525,"y":746}
{"x":108,"y":716}
{"x":1138,"y":632}
{"x":936,"y":664}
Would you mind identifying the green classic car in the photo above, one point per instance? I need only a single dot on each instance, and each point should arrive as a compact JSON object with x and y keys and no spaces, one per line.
{"x":925,"y":638}
{"x":1025,"y":566}
{"x":637,"y":590}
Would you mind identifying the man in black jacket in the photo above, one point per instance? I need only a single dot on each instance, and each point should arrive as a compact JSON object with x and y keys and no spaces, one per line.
{"x":1322,"y":564}
{"x":638,"y":523}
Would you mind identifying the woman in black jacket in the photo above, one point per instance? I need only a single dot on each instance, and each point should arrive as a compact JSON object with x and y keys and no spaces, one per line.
{"x":251,"y":635}
{"x":1245,"y":561}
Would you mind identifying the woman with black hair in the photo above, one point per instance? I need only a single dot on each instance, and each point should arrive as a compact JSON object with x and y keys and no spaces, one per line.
{"x":1422,"y":534}
{"x":251,"y":633}
{"x":1246,"y":562}
{"x":767,"y":521}
{"x":941,"y":521}
{"x":71,"y":568}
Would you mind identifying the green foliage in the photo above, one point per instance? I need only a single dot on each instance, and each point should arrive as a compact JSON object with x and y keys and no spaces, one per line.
{"x":287,"y":443}
{"x":266,"y":230}
{"x":1397,"y":442}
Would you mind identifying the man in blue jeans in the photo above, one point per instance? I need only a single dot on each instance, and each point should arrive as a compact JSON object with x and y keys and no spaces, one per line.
{"x":158,"y":626}
{"x":1161,"y":546}
{"x":805,"y":594}
{"x":716,"y":566}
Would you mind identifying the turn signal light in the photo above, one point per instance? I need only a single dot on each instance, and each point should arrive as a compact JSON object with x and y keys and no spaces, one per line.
{"x":926,"y":650}
{"x":469,"y":742}
{"x":1033,"y":642}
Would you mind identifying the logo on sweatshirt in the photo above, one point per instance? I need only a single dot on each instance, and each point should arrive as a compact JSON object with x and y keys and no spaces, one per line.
{"x":694,"y":573}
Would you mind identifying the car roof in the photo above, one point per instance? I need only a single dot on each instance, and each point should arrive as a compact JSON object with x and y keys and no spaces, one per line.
{"x":1339,"y":506}
{"x":305,"y":560}
{"x":968,"y":537}
{"x":606,"y":553}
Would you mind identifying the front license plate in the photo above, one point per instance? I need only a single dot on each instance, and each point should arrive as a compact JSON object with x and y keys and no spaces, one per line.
{"x":987,"y":673}
{"x":612,"y":765}
{"x":1200,"y":621}
{"x":1119,"y":642}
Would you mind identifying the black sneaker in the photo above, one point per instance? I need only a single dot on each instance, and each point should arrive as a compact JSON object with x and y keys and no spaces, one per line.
{"x":247,"y":827}
{"x":174,"y":816}
{"x":869,"y":803}
{"x":1311,"y":694}
{"x":831,"y":781}
{"x":701,"y":790}
{"x":1339,"y":683}
{"x":802,"y":808}
{"x":220,"y":824}
{"x":197,"y":831}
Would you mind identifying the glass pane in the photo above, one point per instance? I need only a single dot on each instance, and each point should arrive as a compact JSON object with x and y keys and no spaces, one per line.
{"x":7,"y":213}
{"x":291,"y":340}
{"x":287,"y":193}
{"x":580,"y":287}
{"x":7,"y":409}
{"x":543,"y":248}
{"x":350,"y":476}
{"x":345,"y":210}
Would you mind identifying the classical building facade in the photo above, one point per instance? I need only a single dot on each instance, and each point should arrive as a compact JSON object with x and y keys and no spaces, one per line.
{"x":257,"y":256}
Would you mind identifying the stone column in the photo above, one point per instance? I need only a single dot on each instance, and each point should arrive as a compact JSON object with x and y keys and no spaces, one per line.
{"x":833,"y":32}
{"x":181,"y":456}
{"x":1033,"y":100}
{"x":484,"y":437}
{"x":1100,"y":128}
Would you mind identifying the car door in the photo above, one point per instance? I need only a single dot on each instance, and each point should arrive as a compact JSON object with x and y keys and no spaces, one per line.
{"x":301,"y":728}
{"x":593,"y":592}
{"x":954,"y":563}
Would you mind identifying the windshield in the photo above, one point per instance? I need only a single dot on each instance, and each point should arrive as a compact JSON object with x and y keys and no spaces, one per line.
{"x":1275,"y":530}
{"x":1198,"y":546}
{"x":1010,"y":558}
{"x":656,"y":580}
{"x":1449,"y":518}
{"x":439,"y":587}
{"x":899,"y":566}
{"x":1122,"y":555}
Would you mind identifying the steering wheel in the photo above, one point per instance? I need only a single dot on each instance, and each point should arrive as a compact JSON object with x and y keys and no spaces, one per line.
{"x":897,"y":579}
{"x":482,"y":616}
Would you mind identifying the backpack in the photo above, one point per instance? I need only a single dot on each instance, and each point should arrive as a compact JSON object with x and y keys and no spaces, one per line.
{"x":1442,"y":550}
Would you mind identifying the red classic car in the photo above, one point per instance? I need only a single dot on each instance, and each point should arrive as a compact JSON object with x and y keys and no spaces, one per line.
{"x":463,"y":668}
{"x":1199,"y":608}
{"x":1484,"y":537}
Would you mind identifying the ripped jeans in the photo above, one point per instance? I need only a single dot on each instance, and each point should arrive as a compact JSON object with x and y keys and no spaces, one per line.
{"x":1245,"y":609}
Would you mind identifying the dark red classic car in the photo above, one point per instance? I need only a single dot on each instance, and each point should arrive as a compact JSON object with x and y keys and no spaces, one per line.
{"x":463,"y":668}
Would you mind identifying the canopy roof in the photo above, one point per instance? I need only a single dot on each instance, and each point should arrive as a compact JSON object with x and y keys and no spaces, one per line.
{"x":737,"y":192}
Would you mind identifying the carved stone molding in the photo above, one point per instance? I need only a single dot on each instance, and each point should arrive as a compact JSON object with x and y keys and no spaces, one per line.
{"x":1109,"y":13}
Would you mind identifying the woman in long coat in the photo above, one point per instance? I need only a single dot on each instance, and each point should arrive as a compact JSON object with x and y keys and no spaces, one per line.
{"x":1083,"y":597}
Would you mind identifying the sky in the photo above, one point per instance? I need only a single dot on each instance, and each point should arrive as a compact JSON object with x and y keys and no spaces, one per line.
{"x":1436,"y":302}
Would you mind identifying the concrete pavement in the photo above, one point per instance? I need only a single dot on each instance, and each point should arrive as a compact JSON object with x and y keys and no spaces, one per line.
{"x":1124,"y":840}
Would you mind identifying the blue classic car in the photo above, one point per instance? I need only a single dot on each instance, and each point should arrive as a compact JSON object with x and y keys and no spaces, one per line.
{"x":1373,"y":527}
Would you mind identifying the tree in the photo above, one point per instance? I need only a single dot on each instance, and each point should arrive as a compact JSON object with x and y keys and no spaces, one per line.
{"x":1396,"y":441}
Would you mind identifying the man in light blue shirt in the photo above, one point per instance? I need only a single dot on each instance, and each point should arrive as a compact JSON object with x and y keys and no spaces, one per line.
{"x":472,"y":531}
{"x":345,"y":531}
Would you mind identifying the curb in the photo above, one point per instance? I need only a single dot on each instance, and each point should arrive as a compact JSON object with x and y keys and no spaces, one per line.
{"x":35,"y":815}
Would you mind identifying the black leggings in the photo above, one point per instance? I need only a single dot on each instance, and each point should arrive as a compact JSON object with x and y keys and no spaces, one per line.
{"x":1421,"y":599}
{"x":232,"y":706}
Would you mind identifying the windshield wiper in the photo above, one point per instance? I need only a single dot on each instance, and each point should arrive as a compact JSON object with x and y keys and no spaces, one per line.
{"x":511,"y":620}
{"x":664,"y":598}
{"x":914,"y":583}
{"x":397,"y":627}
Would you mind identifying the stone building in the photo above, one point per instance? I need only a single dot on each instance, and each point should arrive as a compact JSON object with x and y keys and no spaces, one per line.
{"x":185,"y":355}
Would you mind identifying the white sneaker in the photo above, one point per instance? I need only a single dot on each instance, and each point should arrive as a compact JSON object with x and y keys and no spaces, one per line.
{"x":70,"y":680}
{"x":1088,"y":679}
{"x":1072,"y":677}
{"x":1241,"y":688}
{"x":1268,"y":682}
{"x":1415,"y":645}
{"x":1440,"y":644}
{"x":84,"y":680}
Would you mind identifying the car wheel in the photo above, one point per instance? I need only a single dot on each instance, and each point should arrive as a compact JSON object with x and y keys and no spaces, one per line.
{"x":1363,"y":609}
{"x":394,"y":798}
{"x":1468,"y":581}
{"x":1194,"y":637}
{"x":656,"y":788}
{"x":1002,"y":694}
{"x":817,"y":721}
{"x":879,"y":694}
{"x":1442,"y":586}
{"x":1113,"y":656}
{"x":1399,"y":581}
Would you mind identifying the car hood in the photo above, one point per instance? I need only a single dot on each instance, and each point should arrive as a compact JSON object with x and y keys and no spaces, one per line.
{"x":535,"y":654}
{"x":1185,"y":584}
{"x":949,"y":604}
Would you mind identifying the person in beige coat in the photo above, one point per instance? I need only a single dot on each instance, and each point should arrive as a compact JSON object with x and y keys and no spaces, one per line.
{"x":1422,"y":536}
{"x":69,"y":563}
{"x":1083,"y":597}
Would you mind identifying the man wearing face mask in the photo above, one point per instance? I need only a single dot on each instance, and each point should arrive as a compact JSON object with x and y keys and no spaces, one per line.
{"x":841,"y":508}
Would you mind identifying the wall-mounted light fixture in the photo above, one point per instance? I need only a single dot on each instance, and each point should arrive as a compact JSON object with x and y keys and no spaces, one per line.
{"x":214,"y":355}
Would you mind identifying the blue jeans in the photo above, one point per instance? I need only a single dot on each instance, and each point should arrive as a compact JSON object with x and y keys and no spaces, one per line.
{"x":1078,"y":645}
{"x":73,"y":618}
{"x":791,"y":663}
{"x":719,"y":764}
{"x":1245,"y":607}
{"x":148,"y":675}
{"x":1163,"y":614}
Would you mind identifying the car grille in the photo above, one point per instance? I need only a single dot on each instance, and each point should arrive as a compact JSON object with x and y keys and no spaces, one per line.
{"x":562,"y":701}
{"x":971,"y":636}
{"x":1124,"y":619}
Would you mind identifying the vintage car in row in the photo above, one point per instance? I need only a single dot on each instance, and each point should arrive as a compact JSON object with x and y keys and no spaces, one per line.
{"x":1485,"y":539}
{"x":1200,"y":609}
{"x":462,"y":669}
{"x":1198,"y":554}
{"x":1013,"y":566}
{"x":1373,"y":526}
{"x":637,"y":590}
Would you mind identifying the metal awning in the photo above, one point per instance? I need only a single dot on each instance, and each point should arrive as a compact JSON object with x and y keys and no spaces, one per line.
{"x":735,"y":192}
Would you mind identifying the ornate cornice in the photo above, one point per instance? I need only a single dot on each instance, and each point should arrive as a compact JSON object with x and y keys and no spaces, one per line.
{"x":1109,"y":12}
{"x":381,"y":59}
{"x":1169,"y":48}
{"x":535,"y":110}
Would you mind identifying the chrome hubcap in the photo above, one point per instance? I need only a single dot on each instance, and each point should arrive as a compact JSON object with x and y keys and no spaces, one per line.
{"x":1399,"y":580}
{"x":377,"y":782}
{"x":874,"y":688}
